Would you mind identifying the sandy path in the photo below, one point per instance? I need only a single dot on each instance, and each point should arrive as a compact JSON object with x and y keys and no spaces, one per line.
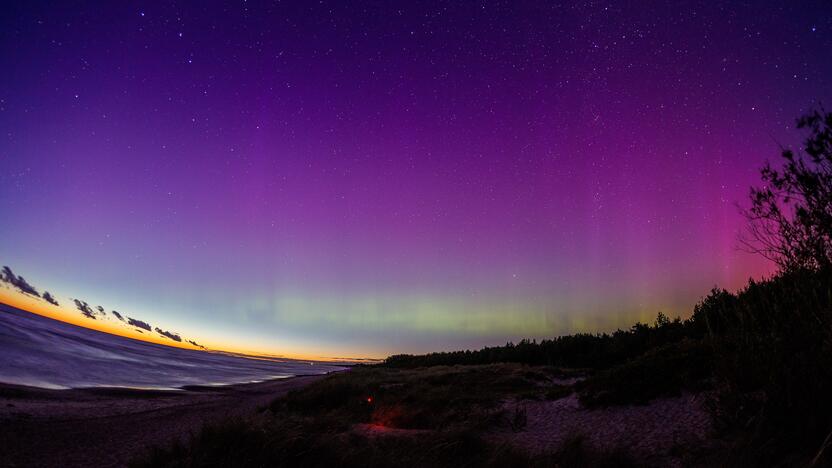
{"x":660,"y":433}
{"x":105,"y":428}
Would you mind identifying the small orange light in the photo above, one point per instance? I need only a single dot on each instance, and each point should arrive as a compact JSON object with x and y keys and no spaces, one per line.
{"x":369,"y":399}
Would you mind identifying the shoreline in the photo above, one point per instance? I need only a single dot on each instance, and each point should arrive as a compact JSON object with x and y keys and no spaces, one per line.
{"x":17,"y":388}
{"x":109,"y":426}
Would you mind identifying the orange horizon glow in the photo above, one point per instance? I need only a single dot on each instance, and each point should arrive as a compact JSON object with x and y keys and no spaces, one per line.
{"x":31,"y":304}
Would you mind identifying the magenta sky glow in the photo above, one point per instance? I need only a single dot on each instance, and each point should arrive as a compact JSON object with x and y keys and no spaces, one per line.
{"x":368,"y":180}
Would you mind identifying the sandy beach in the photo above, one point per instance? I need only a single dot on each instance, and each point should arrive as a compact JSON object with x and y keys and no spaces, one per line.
{"x":109,"y":426}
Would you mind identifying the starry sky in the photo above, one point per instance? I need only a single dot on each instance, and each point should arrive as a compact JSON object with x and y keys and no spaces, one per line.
{"x":333,"y":179}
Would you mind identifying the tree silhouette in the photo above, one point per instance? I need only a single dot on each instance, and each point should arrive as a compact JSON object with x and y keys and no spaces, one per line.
{"x":790,"y":218}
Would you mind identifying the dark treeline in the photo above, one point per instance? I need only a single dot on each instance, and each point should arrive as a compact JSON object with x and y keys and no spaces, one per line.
{"x":583,"y":350}
{"x":766,"y":352}
{"x":761,"y":358}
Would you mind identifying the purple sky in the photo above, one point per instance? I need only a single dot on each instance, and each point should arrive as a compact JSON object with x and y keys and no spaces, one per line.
{"x":366,"y":180}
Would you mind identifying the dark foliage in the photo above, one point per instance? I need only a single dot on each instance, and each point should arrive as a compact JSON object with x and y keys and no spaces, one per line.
{"x":773,"y":364}
{"x":293,"y":443}
{"x":790,"y":218}
{"x":406,"y":399}
{"x":598,"y":351}
{"x":660,"y":372}
{"x":762,"y":355}
{"x":439,"y":413}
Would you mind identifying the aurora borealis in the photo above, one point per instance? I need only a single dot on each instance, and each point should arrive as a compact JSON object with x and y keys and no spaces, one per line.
{"x":335,"y":179}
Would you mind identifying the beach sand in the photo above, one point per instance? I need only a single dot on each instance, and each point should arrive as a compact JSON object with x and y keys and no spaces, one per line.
{"x":106,"y":427}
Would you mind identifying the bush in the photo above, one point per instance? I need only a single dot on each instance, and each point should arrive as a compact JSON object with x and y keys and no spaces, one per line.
{"x":437,"y":398}
{"x":764,"y":355}
{"x":450,"y":409}
{"x":773,"y":364}
{"x":664,"y":371}
{"x":598,"y":351}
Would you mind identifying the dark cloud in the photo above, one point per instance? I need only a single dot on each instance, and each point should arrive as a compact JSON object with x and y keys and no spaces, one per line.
{"x":138,"y":324}
{"x":8,"y":276}
{"x":172,"y":336}
{"x":196,"y":344}
{"x":49,"y":298}
{"x":85,"y":309}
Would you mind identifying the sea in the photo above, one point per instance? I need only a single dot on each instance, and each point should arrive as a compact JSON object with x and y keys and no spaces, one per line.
{"x":41,"y":352}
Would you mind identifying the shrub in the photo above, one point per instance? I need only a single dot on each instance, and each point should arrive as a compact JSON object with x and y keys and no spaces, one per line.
{"x":773,"y":364}
{"x":664,"y":371}
{"x":597,"y":351}
{"x":316,"y":426}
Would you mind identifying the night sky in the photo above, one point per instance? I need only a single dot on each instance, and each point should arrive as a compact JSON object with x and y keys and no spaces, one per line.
{"x":334,"y":179}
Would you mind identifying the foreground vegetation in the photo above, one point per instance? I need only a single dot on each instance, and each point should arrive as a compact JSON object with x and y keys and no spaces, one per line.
{"x":377,"y":417}
{"x":761,"y":358}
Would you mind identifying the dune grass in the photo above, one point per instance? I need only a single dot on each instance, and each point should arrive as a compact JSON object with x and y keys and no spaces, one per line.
{"x":761,"y":357}
{"x":377,"y":417}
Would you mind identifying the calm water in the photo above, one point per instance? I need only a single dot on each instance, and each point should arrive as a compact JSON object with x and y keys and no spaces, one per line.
{"x":42,"y":352}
